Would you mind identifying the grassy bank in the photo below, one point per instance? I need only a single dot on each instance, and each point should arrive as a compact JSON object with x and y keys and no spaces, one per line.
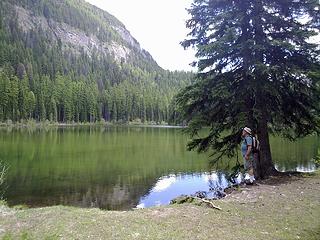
{"x":279,"y":208}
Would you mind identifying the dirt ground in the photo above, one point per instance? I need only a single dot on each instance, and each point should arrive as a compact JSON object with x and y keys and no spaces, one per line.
{"x":286,"y":207}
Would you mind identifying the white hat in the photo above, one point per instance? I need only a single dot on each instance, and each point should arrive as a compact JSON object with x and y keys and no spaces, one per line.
{"x":248,"y":130}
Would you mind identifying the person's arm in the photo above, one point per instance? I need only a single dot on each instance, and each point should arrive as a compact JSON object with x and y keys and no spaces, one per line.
{"x":249,"y":148}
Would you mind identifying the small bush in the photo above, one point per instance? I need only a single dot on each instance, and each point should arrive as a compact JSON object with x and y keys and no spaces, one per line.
{"x":102,"y":122}
{"x":316,"y":160}
{"x":9,"y":123}
{"x":31,"y":123}
{"x":3,"y":173}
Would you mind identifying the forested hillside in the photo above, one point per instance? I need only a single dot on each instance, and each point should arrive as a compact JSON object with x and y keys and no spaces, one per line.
{"x":68,"y":61}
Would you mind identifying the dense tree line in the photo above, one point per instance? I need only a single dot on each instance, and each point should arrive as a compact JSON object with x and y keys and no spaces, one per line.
{"x":65,"y":99}
{"x":43,"y":78}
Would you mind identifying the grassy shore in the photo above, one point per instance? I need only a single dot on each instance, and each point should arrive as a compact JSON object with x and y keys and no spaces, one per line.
{"x":279,"y":208}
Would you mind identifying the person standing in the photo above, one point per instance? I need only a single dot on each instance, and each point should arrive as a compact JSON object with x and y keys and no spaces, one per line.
{"x":247,"y":154}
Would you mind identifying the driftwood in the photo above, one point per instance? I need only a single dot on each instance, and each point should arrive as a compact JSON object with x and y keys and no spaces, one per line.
{"x":208,"y":202}
{"x":189,"y":199}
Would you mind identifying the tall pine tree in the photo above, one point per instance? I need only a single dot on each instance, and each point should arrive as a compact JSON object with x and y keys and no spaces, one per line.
{"x":257,"y":68}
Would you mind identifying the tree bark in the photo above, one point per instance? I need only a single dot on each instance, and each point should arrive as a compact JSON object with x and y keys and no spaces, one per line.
{"x":264,"y":165}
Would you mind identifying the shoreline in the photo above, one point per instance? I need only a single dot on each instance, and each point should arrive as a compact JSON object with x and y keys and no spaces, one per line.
{"x":286,"y":207}
{"x":48,"y":124}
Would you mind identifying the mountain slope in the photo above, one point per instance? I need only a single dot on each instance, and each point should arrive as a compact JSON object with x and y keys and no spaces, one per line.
{"x":66,"y":60}
{"x":81,"y":26}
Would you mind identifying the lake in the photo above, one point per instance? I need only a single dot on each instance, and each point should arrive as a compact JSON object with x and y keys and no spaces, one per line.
{"x":119,"y":168}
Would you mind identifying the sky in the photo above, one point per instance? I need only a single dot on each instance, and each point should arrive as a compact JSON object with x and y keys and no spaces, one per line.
{"x":158,"y":25}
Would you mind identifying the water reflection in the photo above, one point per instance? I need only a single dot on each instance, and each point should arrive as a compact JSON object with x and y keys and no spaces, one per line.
{"x":295,"y":156}
{"x":172,"y":186}
{"x":164,"y":183}
{"x":308,"y":167}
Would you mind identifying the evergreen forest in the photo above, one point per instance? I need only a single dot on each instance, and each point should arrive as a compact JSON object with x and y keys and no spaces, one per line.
{"x":44,"y":77}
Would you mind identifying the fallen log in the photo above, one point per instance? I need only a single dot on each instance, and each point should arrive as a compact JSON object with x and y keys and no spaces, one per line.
{"x":189,"y":199}
{"x":208,"y":202}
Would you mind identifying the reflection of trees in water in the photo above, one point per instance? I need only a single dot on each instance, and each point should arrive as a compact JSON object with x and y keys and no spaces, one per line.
{"x":217,"y":183}
{"x":298,"y":155}
{"x":117,"y":197}
{"x":113,"y":196}
{"x":110,"y":167}
{"x":80,"y":166}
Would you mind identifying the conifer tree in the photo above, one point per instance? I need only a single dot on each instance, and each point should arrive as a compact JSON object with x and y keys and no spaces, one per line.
{"x":257,"y":68}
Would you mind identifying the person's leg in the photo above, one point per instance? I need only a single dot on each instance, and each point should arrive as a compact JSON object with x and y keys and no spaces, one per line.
{"x":251,"y":174}
{"x":250,"y":171}
{"x":247,"y":167}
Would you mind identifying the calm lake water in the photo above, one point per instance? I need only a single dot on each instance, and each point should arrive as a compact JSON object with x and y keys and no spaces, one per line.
{"x":118,"y":167}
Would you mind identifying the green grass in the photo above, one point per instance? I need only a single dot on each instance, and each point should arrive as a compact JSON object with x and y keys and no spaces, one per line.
{"x":279,"y":208}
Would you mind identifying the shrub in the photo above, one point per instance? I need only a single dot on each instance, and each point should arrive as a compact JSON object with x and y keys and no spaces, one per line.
{"x":3,"y":173}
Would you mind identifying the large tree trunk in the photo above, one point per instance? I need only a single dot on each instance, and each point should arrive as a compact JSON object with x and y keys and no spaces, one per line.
{"x":264,"y":165}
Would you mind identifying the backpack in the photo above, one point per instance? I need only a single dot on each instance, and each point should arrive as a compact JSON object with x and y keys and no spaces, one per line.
{"x":255,"y":144}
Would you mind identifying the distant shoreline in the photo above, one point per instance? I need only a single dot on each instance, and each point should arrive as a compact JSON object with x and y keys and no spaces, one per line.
{"x":47,"y":124}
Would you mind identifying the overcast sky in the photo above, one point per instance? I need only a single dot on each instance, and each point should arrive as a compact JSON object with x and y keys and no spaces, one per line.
{"x":158,"y":25}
